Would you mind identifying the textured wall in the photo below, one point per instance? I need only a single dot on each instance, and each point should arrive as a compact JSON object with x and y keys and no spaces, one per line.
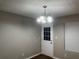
{"x":59,"y":41}
{"x":18,"y":35}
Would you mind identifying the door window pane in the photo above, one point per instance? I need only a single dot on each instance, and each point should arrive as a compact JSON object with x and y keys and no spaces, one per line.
{"x":47,"y":33}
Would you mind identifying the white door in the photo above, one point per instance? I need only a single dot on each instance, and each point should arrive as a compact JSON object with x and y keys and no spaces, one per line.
{"x":47,"y":46}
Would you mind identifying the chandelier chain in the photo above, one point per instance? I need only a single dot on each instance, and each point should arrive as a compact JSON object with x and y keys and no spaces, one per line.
{"x":45,"y":14}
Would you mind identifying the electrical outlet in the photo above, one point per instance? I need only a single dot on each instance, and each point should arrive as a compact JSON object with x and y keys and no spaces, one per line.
{"x":23,"y":54}
{"x":65,"y":54}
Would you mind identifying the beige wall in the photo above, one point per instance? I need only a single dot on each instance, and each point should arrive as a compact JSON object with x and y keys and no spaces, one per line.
{"x":59,"y":41}
{"x":18,"y":35}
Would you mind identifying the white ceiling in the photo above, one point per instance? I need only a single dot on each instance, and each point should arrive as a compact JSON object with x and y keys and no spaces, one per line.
{"x":33,"y":8}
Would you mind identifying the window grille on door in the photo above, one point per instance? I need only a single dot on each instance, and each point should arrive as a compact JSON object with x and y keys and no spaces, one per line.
{"x":47,"y":33}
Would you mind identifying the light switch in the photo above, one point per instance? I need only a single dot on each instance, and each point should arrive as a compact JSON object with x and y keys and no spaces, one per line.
{"x":56,"y":37}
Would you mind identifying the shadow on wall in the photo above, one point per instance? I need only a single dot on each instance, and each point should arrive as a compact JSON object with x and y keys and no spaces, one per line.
{"x":18,"y":40}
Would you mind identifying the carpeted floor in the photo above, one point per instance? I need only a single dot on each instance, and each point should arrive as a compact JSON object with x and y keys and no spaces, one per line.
{"x":41,"y":56}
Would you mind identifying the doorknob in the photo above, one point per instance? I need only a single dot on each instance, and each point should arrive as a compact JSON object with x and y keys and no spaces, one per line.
{"x":51,"y":42}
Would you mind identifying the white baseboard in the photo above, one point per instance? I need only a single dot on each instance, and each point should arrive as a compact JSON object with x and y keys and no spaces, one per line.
{"x":39,"y":54}
{"x":33,"y":55}
{"x":56,"y":58}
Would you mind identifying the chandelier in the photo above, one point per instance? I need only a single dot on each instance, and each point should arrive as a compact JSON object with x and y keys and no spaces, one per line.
{"x":45,"y":19}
